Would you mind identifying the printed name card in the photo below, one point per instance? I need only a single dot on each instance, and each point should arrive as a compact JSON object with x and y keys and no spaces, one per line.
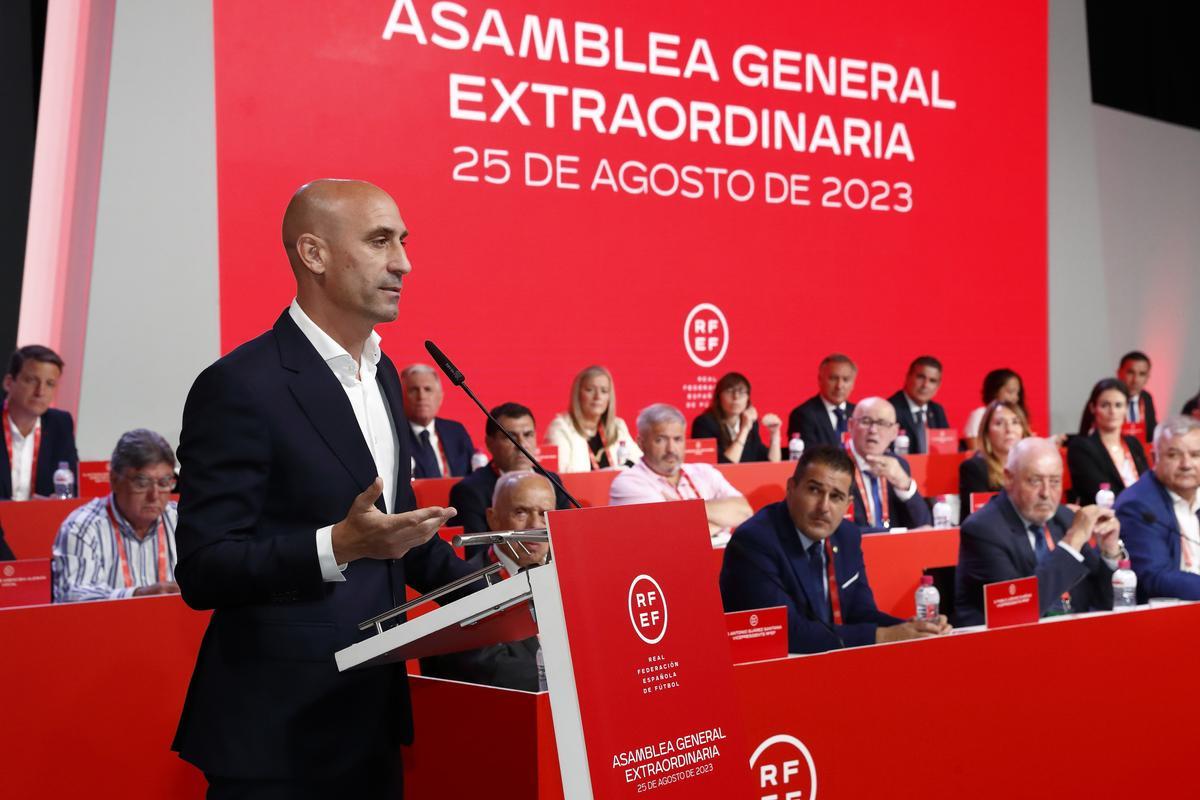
{"x":757,"y":635}
{"x":981,"y":499}
{"x":25,"y":582}
{"x":548,"y":455}
{"x":700,"y":451}
{"x":942,"y":440}
{"x":93,"y":479}
{"x":1135,"y":429}
{"x":1008,"y":603}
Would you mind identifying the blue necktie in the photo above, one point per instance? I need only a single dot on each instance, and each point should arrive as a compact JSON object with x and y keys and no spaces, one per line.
{"x":816,"y":568}
{"x":840,"y":413}
{"x":428,"y":457}
{"x":878,"y":500}
{"x":1040,"y":550}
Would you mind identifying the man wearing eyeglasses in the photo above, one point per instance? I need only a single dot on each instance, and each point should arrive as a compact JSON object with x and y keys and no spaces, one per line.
{"x":885,"y":494}
{"x":1026,"y":531}
{"x":122,"y":545}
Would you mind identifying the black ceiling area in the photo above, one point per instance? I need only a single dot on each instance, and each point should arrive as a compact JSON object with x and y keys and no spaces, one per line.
{"x":1144,"y":59}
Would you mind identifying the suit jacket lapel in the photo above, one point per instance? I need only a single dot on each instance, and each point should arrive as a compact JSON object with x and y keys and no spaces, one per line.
{"x":1020,"y":535}
{"x":789,"y":540}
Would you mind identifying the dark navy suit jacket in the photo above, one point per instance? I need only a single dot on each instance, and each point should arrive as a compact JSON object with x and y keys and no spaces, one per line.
{"x":456,"y":443}
{"x":993,"y":546}
{"x":811,"y":421}
{"x":765,"y":565}
{"x":912,"y":513}
{"x":270,"y":452}
{"x":935,"y":417}
{"x":1152,"y":537}
{"x":58,"y":444}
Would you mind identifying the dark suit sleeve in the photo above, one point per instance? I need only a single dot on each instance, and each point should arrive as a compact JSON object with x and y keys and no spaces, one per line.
{"x":463,"y":450}
{"x":916,"y":510}
{"x":225,"y":452}
{"x":1087,"y":473}
{"x":471,"y":508}
{"x":705,"y":427}
{"x":1151,"y":417}
{"x":796,"y":424}
{"x":1148,"y":540}
{"x":6,"y":554}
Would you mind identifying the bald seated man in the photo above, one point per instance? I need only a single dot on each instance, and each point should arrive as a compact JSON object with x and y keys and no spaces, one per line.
{"x":884,"y":494}
{"x":297,"y":521}
{"x":1026,"y":531}
{"x":520,"y":502}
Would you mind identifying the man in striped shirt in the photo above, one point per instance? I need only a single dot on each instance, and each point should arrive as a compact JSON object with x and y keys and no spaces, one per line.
{"x":122,"y":545}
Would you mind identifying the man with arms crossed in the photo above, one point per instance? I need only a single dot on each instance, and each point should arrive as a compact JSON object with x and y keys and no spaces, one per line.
{"x":297,"y":521}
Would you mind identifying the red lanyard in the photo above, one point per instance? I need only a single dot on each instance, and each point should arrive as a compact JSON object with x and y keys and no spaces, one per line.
{"x":885,"y":518}
{"x":8,"y":445}
{"x":1049,"y":539}
{"x":444,"y":465}
{"x":123,"y":558}
{"x":835,"y":598}
{"x":603,"y":448}
{"x":683,"y":477}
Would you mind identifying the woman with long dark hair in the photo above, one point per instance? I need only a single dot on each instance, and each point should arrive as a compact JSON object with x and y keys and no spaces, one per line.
{"x":733,"y":421}
{"x":1100,"y":454}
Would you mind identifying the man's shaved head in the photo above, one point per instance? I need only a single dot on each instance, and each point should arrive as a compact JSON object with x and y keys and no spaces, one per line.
{"x":318,"y":207}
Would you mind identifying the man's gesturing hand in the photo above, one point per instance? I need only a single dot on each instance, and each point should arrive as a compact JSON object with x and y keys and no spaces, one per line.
{"x":367,"y":532}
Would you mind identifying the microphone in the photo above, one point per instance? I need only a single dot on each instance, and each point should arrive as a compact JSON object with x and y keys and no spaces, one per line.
{"x":458,"y":379}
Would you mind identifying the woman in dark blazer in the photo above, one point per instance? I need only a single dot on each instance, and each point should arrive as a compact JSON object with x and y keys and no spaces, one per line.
{"x":733,"y":421}
{"x":1003,"y":425}
{"x":1100,"y":454}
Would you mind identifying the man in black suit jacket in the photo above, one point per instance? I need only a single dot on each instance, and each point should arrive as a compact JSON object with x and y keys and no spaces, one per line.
{"x":822,"y":418}
{"x":472,"y":496}
{"x":296,"y":521}
{"x":781,"y":556}
{"x":1134,"y":372}
{"x":441,"y":447}
{"x":885,"y":496}
{"x":40,"y":436}
{"x":1024,"y":531}
{"x":520,"y":502}
{"x":915,"y":409}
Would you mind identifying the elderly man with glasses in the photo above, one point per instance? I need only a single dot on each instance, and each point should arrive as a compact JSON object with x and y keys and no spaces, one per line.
{"x":122,"y":545}
{"x":884,"y":492}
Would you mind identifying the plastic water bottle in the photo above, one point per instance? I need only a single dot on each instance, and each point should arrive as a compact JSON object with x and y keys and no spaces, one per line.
{"x":1124,"y":583}
{"x":942,"y":514}
{"x":795,"y":447}
{"x":928,"y":599}
{"x":479,"y":460}
{"x":64,"y":481}
{"x":1105,"y":497}
{"x":900,"y":446}
{"x":541,"y":669}
{"x":623,"y":454}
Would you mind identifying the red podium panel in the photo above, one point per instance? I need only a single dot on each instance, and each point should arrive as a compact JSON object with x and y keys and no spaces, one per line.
{"x":433,"y":491}
{"x":31,"y":525}
{"x":590,"y":488}
{"x":25,"y":582}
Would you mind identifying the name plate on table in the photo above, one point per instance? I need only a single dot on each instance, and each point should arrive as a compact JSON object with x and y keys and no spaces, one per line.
{"x":1135,"y":429}
{"x":757,"y":635}
{"x":700,"y":451}
{"x":981,"y":499}
{"x":94,"y":479}
{"x":942,"y":440}
{"x":1008,"y":603}
{"x":547,"y":454}
{"x":25,"y":582}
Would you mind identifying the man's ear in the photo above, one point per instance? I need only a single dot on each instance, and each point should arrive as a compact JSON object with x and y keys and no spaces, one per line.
{"x":313,"y":253}
{"x":8,"y":383}
{"x":491,"y":515}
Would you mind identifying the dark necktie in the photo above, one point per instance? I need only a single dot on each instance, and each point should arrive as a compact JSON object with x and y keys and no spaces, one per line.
{"x":1133,"y":412}
{"x":428,"y":457}
{"x":1040,"y":550}
{"x":878,"y":500}
{"x":921,"y":443}
{"x":816,"y":569}
{"x":840,"y":413}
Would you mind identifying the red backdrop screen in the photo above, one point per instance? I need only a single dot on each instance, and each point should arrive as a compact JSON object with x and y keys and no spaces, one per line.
{"x":583,"y":185}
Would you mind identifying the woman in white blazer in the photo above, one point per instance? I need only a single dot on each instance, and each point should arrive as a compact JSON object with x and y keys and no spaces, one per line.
{"x":590,"y":434}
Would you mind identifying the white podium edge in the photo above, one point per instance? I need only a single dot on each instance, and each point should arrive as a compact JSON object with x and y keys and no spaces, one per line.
{"x":560,"y":679}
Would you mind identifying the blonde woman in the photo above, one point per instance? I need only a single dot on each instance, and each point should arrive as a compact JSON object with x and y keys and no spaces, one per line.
{"x":1003,"y":425}
{"x":589,"y":435}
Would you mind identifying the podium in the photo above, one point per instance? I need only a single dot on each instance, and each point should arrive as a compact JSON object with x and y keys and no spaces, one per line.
{"x":634,"y":645}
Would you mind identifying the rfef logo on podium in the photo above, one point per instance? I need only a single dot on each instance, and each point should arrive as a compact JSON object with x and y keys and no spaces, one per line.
{"x":647,"y":609}
{"x":784,"y":769}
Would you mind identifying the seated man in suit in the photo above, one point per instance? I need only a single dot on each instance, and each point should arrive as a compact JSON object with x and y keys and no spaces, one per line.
{"x":1026,"y":531}
{"x":884,"y":492}
{"x":1134,"y":372}
{"x":123,"y":544}
{"x":472,"y":496}
{"x":520,"y":502}
{"x":787,"y":552}
{"x":661,"y":475}
{"x":1159,"y":514}
{"x":915,"y":410}
{"x":441,"y":447}
{"x":37,"y":438}
{"x":821,"y":419}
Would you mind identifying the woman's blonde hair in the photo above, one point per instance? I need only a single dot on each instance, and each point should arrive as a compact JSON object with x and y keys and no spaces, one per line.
{"x":995,"y":466}
{"x":608,"y":420}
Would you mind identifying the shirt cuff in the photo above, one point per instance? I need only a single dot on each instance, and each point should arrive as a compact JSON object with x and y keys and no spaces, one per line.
{"x":1078,"y":556}
{"x":908,"y":493}
{"x":331,"y":571}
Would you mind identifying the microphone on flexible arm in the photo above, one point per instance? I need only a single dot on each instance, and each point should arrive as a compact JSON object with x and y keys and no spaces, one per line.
{"x":458,"y":379}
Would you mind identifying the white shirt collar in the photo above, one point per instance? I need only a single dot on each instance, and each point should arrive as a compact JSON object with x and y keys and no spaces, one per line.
{"x":859,"y":460}
{"x":829,"y":407}
{"x":912,"y":405}
{"x":332,"y":353}
{"x":16,"y":432}
{"x":1179,"y":502}
{"x":430,"y":427}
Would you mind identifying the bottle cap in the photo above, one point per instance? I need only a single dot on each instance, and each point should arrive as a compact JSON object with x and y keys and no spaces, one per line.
{"x":1105,"y":487}
{"x":1124,"y":563}
{"x":927,"y":580}
{"x":63,"y":465}
{"x":795,"y":436}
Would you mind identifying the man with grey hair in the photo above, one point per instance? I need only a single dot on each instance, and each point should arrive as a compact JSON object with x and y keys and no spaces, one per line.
{"x":662,"y":475}
{"x":441,"y":448}
{"x":122,"y":545}
{"x":1026,"y":531}
{"x":1159,"y":514}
